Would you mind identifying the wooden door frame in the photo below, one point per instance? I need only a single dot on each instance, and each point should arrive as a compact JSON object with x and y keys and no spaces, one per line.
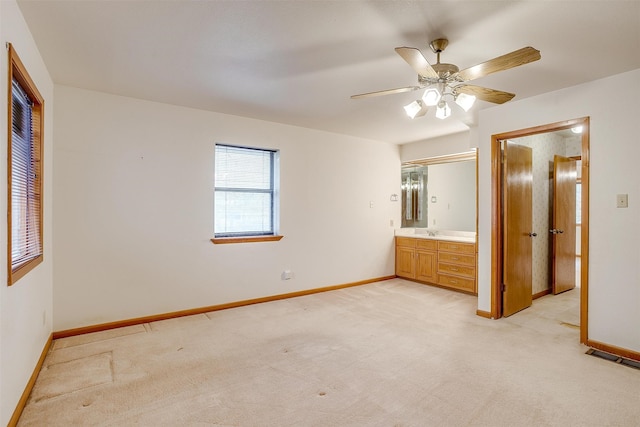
{"x":496,"y":215}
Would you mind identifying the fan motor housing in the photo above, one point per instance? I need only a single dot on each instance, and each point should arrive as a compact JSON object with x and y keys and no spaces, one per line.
{"x":445,"y":70}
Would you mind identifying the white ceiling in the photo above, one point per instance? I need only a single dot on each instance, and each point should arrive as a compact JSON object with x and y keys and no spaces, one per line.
{"x":298,"y":62}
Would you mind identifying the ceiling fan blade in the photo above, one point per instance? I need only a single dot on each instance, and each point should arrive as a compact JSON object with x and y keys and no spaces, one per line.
{"x":485,"y":94}
{"x":417,"y":61}
{"x":504,"y":62}
{"x":386,"y":92}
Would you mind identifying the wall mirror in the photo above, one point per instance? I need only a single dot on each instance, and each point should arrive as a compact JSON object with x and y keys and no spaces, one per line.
{"x":440,"y":193}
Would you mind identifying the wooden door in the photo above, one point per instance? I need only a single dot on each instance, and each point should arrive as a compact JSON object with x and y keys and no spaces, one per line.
{"x":517,"y":217}
{"x":564,"y":225}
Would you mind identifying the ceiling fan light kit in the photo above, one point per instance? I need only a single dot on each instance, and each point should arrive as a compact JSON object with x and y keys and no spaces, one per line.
{"x":443,"y":110}
{"x":440,"y":80}
{"x":416,"y":109}
{"x":465,"y":101}
{"x":433,"y":94}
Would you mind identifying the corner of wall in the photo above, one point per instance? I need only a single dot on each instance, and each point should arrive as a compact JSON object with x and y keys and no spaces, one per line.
{"x":26,"y":308}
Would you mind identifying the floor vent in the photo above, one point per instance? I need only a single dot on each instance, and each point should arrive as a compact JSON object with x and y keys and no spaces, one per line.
{"x":617,"y":359}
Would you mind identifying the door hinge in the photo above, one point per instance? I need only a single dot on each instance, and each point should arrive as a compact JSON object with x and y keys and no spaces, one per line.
{"x":503,"y":287}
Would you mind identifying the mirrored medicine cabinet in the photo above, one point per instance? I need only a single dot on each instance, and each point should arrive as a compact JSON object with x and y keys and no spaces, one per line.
{"x":440,"y":193}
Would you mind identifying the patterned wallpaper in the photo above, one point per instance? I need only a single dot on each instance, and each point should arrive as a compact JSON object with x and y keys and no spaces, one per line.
{"x":544,"y":147}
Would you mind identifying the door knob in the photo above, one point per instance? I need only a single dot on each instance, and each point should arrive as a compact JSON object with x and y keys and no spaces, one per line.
{"x":533,"y":234}
{"x":556,"y":231}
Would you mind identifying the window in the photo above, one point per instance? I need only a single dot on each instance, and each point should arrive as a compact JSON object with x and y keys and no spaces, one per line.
{"x":26,"y":108}
{"x":246,"y":200}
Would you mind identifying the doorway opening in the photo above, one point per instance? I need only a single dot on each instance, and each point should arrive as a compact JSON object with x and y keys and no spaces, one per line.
{"x":500,"y":209}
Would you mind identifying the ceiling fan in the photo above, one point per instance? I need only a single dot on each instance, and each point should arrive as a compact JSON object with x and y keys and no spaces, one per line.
{"x":441,"y":80}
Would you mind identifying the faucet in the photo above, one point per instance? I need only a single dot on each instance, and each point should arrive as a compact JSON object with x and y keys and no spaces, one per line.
{"x":431,"y":233}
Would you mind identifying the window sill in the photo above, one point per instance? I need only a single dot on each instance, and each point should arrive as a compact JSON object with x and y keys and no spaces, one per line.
{"x":247,"y":239}
{"x":21,"y":271}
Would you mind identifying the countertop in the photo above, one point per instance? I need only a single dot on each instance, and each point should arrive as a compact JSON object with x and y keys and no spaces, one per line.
{"x":426,"y":233}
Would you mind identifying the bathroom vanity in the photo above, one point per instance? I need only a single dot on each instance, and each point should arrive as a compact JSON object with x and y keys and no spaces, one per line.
{"x":436,"y":243}
{"x":437,"y":257}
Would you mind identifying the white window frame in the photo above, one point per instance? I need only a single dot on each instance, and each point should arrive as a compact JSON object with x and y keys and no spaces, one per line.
{"x":269,"y":234}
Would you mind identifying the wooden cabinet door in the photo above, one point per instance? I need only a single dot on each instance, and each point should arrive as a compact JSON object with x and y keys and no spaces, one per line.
{"x":426,"y":266}
{"x":405,"y":265}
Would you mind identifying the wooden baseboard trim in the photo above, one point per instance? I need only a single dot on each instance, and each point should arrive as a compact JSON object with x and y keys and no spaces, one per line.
{"x":201,"y":310}
{"x":27,"y":390}
{"x":422,"y":282}
{"x":486,"y":314}
{"x":618,"y":351}
{"x":541,"y":294}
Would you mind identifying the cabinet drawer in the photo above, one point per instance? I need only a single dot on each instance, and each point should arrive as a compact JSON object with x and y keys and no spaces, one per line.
{"x":458,"y":270}
{"x":461,"y":248}
{"x":427,"y":244}
{"x":406,"y":241}
{"x":457,"y":282}
{"x":453,"y":258}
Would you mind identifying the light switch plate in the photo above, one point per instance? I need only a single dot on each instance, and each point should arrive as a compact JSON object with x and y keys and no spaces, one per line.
{"x":622,"y":201}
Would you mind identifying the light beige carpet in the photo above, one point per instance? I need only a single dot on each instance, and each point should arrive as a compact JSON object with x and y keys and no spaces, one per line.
{"x":393,"y":353}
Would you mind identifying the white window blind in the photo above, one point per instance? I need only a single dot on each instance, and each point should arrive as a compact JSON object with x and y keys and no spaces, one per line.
{"x":244,"y":199}
{"x":25,"y":180}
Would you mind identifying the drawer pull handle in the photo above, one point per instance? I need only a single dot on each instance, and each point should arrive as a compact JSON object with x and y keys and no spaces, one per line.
{"x":455,"y":282}
{"x":454,"y":269}
{"x":455,"y":258}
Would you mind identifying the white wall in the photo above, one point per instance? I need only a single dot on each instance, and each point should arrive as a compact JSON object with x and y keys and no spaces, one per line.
{"x":26,"y":307}
{"x":134,"y":210}
{"x":442,"y":146}
{"x":614,"y":253}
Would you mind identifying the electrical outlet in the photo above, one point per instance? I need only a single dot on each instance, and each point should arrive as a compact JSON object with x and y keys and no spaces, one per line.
{"x":622,"y":201}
